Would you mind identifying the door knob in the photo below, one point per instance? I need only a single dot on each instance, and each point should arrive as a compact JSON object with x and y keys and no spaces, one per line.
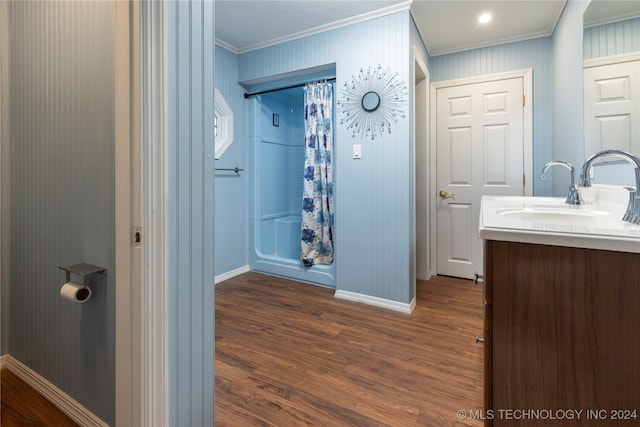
{"x":446,"y":195}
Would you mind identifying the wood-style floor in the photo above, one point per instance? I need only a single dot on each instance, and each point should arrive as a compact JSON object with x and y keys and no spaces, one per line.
{"x":24,"y":407}
{"x":290,"y":354}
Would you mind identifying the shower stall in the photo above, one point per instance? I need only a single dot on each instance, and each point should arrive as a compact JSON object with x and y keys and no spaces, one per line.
{"x":277,"y":150}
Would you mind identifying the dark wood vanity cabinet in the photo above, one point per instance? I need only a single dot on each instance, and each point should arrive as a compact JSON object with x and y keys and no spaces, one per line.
{"x":562,"y":336}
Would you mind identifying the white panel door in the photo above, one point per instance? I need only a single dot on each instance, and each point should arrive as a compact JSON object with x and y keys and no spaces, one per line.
{"x":612,"y":107}
{"x":479,"y":150}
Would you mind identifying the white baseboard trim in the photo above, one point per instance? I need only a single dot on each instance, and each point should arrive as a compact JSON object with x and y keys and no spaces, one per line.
{"x":53,"y":394}
{"x":230,"y":274}
{"x":378,"y":302}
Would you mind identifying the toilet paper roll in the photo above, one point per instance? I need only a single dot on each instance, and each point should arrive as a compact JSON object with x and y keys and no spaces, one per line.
{"x":75,"y":292}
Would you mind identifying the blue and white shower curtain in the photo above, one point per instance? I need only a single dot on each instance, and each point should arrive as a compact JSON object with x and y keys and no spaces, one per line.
{"x":317,"y":194}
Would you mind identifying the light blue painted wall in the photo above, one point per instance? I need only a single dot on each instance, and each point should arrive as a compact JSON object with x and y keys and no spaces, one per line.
{"x":190,"y":311}
{"x":232,"y":209}
{"x":568,"y":89}
{"x":416,"y":41}
{"x":373,"y":195}
{"x":534,"y":54}
{"x":612,"y":39}
{"x":62,"y":193}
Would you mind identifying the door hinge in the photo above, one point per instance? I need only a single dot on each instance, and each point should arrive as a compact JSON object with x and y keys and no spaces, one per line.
{"x":524,"y":180}
{"x":137,"y":236}
{"x":523,"y":100}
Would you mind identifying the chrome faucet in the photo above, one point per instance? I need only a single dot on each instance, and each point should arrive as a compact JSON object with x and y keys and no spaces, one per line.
{"x":632,"y":214}
{"x":573,"y":198}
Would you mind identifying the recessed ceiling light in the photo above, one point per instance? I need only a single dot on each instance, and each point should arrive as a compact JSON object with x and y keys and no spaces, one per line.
{"x":484,"y":18}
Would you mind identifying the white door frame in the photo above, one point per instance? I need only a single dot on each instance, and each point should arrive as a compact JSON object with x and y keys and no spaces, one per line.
{"x":127,"y":271}
{"x":141,"y":284}
{"x":614,"y":59}
{"x":526,"y":75}
{"x":154,"y":277}
{"x":420,"y":168}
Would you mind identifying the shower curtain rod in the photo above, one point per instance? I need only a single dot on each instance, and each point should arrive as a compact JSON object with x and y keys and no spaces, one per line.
{"x":247,"y":95}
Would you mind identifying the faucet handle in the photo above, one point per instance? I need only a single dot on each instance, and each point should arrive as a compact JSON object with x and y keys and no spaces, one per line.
{"x":633,"y":208}
{"x":574,"y":198}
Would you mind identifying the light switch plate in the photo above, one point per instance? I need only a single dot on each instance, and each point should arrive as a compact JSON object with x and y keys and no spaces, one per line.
{"x":357,"y":151}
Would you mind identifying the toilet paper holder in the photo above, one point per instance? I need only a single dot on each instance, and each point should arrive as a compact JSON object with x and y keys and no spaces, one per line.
{"x":82,"y":269}
{"x":79,"y":292}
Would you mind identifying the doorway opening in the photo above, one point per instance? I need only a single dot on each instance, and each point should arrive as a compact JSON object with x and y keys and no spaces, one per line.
{"x":277,"y":159}
{"x":481,"y":145}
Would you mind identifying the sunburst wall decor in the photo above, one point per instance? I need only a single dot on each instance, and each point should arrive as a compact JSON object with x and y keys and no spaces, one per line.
{"x":372,"y":102}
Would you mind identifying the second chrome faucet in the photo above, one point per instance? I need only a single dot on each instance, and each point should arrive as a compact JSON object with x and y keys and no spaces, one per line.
{"x":632,"y":214}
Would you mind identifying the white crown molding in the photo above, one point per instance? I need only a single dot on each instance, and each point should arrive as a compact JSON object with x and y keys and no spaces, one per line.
{"x":556,"y":16}
{"x":223,"y":44}
{"x":490,"y":43}
{"x":611,"y":19}
{"x":53,"y":394}
{"x":319,"y":29}
{"x":378,"y":302}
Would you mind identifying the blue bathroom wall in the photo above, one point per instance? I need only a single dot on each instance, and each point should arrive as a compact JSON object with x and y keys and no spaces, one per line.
{"x":417,"y":43}
{"x":612,"y":39}
{"x":231,"y":198}
{"x":62,"y":193}
{"x":373,"y":195}
{"x":567,"y":86}
{"x":190,"y":179}
{"x":535,"y":54}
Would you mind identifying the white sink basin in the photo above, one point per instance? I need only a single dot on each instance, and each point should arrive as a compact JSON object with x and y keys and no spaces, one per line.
{"x":559,"y":216}
{"x":531,"y":200}
{"x":550,"y":221}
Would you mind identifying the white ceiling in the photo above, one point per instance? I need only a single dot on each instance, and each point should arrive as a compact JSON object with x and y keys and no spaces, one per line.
{"x":452,"y":26}
{"x":245,"y":25}
{"x":602,"y":12}
{"x":446,"y":26}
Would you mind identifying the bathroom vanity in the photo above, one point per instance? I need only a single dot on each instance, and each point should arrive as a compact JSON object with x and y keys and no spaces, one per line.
{"x":562,"y":313}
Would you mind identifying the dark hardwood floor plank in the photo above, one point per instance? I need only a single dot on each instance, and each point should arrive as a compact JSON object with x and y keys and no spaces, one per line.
{"x":290,"y":354}
{"x":22,"y":406}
